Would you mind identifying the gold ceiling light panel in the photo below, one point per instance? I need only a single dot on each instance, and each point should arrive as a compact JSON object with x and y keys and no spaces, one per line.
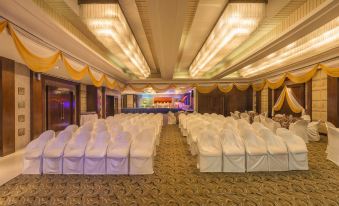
{"x":109,"y":25}
{"x":318,"y":41}
{"x":235,"y":25}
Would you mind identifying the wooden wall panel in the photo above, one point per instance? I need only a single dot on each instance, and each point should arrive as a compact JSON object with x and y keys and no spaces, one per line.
{"x":308,"y":98}
{"x":249,"y":99}
{"x":258,"y":102}
{"x":7,"y":106}
{"x":333,"y":100}
{"x":269,"y":99}
{"x":235,"y":100}
{"x":92,"y":98}
{"x":37,"y":106}
{"x":220,"y":103}
{"x":211,"y":103}
{"x":103,"y":100}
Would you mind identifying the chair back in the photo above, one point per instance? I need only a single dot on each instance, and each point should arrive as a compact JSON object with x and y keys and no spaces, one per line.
{"x":72,"y":128}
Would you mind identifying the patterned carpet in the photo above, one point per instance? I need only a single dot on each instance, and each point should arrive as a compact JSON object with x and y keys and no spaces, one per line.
{"x":177,"y":182}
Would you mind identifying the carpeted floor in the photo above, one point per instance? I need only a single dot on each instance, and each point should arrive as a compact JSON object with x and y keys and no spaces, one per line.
{"x":177,"y":182}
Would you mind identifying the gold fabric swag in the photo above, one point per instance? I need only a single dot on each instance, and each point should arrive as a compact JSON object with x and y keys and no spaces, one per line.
{"x":44,"y":64}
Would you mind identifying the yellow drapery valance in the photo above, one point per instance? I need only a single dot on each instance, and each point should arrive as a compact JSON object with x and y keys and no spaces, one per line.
{"x":138,"y":88}
{"x":258,"y":86}
{"x":110,"y":84}
{"x":241,"y":87}
{"x":333,"y":72}
{"x":97,"y":83}
{"x":276,"y":84}
{"x":74,"y":73}
{"x":304,"y":77}
{"x":205,"y":89}
{"x":225,"y":88}
{"x":163,"y":89}
{"x":34,"y":62}
{"x":121,"y":87}
{"x":3,"y":25}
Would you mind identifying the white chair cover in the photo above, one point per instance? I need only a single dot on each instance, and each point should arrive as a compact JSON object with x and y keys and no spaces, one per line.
{"x":277,"y":150}
{"x":297,"y":150}
{"x":73,"y":159}
{"x":256,"y":118}
{"x":34,"y":153}
{"x":271,"y":124}
{"x":333,"y":144}
{"x":54,"y":150}
{"x":306,"y":117}
{"x":313,"y":131}
{"x":210,"y":152}
{"x":118,"y":154}
{"x":95,"y":154}
{"x":300,"y":128}
{"x":171,"y":118}
{"x":245,"y":116}
{"x":256,"y":152}
{"x":72,"y":128}
{"x":141,"y":153}
{"x":233,"y":151}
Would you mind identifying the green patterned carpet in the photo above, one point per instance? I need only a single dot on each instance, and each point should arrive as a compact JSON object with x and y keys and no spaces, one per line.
{"x":177,"y":182}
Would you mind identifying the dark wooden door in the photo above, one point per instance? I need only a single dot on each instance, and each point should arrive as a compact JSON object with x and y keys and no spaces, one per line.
{"x":110,"y":104}
{"x":59,"y":108}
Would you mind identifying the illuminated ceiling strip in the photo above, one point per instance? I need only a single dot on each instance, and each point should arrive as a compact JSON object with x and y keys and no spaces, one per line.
{"x":236,"y":24}
{"x":322,"y":38}
{"x":108,"y":23}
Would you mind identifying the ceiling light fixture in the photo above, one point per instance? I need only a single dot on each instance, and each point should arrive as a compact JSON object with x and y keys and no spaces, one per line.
{"x":321,"y":39}
{"x":109,"y":25}
{"x":237,"y":22}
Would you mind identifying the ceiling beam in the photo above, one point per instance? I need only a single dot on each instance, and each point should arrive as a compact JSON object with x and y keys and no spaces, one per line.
{"x":166,"y":20}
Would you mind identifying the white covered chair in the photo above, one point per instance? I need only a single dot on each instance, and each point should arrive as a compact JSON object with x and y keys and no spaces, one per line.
{"x":34,"y":153}
{"x":71,"y":128}
{"x":297,"y":150}
{"x":245,"y":116}
{"x":256,"y":118}
{"x":95,"y":154}
{"x":54,"y":150}
{"x":256,"y":151}
{"x":306,"y":117}
{"x":142,"y":153}
{"x":233,"y":149}
{"x":73,"y":159}
{"x":118,"y":154}
{"x":277,"y":150}
{"x":313,"y":131}
{"x":300,"y":128}
{"x":210,"y":152}
{"x":171,"y":118}
{"x":333,"y":144}
{"x":328,"y":124}
{"x":271,"y":124}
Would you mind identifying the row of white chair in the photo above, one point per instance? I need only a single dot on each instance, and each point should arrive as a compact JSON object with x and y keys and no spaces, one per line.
{"x":224,"y":144}
{"x":120,"y":145}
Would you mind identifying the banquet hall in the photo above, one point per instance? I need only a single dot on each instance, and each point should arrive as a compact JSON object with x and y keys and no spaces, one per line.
{"x":169,"y":102}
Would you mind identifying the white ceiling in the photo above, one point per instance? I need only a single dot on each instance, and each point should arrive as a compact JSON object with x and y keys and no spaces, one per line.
{"x":169,"y":33}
